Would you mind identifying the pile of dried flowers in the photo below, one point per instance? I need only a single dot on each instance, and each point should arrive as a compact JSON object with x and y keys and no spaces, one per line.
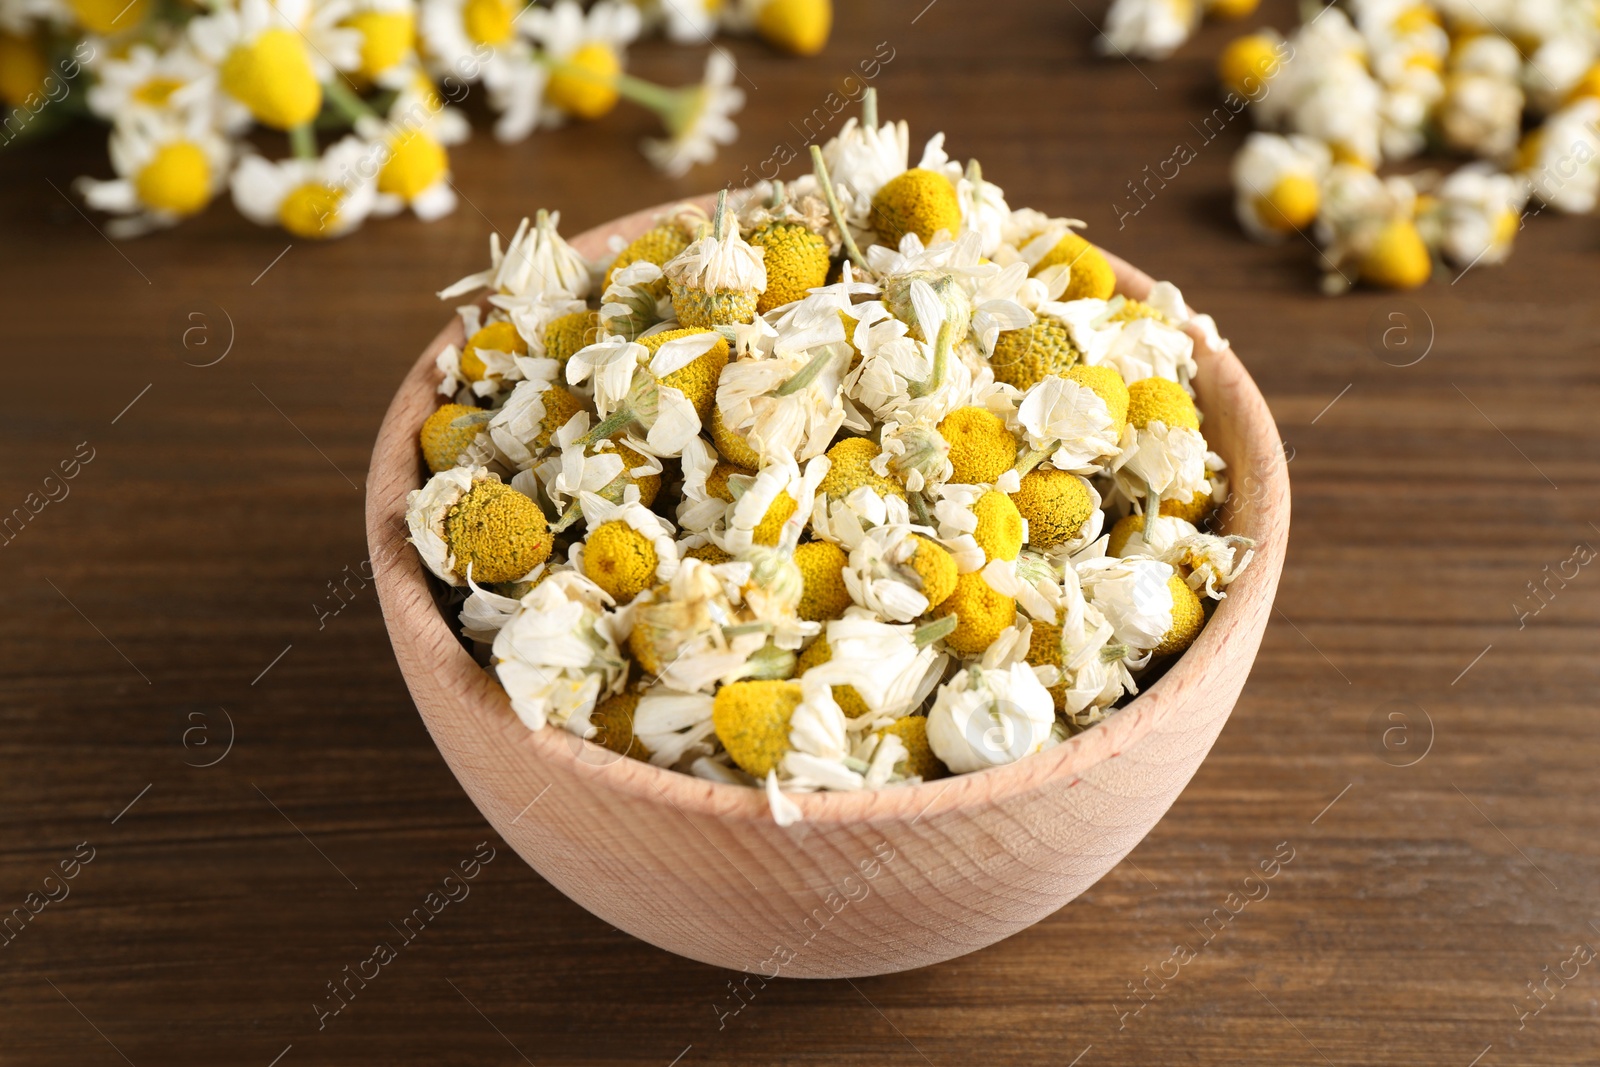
{"x":363,"y":89}
{"x":813,"y":493}
{"x":1512,"y":88}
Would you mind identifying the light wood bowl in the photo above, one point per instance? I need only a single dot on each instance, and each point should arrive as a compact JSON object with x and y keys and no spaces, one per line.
{"x":869,"y":882}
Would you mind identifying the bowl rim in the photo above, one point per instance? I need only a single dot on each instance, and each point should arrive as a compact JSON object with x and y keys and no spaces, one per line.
{"x":407,"y":600}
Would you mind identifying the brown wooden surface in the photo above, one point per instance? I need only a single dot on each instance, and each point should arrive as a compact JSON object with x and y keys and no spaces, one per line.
{"x":198,"y":543}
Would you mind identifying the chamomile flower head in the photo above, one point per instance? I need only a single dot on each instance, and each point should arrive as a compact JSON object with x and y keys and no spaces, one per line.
{"x":1148,"y":28}
{"x":689,"y":633}
{"x":1473,"y":216}
{"x":781,"y":495}
{"x":981,"y":612}
{"x":918,"y":201}
{"x":919,"y":761}
{"x":1248,"y":63}
{"x":612,"y":720}
{"x":988,"y":718}
{"x":799,"y":27}
{"x":1090,"y":276}
{"x":583,"y":52}
{"x":310,"y":198}
{"x":1482,"y":107}
{"x":1135,"y":594}
{"x":1071,"y":422}
{"x":466,"y":518}
{"x":854,"y":464}
{"x":824,"y":593}
{"x":525,"y":426}
{"x":388,"y":32}
{"x":1562,"y":158}
{"x":567,"y":334}
{"x":169,"y":166}
{"x":1024,"y":357}
{"x":1277,"y":184}
{"x":718,"y":279}
{"x":1055,"y":504}
{"x":558,"y":656}
{"x":981,"y":447}
{"x":147,"y":80}
{"x":790,"y":404}
{"x":899,"y":573}
{"x":796,"y":260}
{"x":628,"y":548}
{"x":916,"y":453}
{"x":273,"y":57}
{"x":537,"y":260}
{"x":753,"y":720}
{"x":450,"y":432}
{"x":1000,"y":529}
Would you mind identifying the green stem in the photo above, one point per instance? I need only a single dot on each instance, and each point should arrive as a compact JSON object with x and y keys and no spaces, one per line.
{"x":869,"y":108}
{"x":808,"y":373}
{"x":777,"y":194}
{"x":720,"y":217}
{"x":347,"y":103}
{"x":573,"y":513}
{"x":919,"y":508}
{"x":931,"y":632}
{"x":607,"y":426}
{"x":849,"y":243}
{"x":303,"y":141}
{"x":941,"y":362}
{"x":1031,"y":459}
{"x":656,"y":97}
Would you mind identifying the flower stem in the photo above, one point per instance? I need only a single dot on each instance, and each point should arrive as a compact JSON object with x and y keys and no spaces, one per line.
{"x":941,"y":362}
{"x":346,"y":102}
{"x":807,"y":374}
{"x":607,"y":426}
{"x":919,"y":508}
{"x":849,"y":243}
{"x":573,"y":513}
{"x":720,"y":217}
{"x":928,"y":634}
{"x":1031,"y":459}
{"x":303,"y":141}
{"x":869,"y":108}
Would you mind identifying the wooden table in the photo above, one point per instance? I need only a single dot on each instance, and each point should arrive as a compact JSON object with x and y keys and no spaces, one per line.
{"x":1427,"y":758}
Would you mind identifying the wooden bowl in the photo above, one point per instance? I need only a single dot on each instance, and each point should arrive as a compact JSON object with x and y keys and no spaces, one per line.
{"x":869,"y":882}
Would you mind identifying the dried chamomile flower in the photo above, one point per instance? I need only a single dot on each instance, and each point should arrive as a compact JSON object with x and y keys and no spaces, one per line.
{"x":1025,"y":357}
{"x":918,"y":201}
{"x":981,"y":613}
{"x":824,"y":596}
{"x":1055,"y":504}
{"x":988,"y":718}
{"x":719,"y":278}
{"x":920,"y":762}
{"x":899,"y":573}
{"x":559,"y":655}
{"x":467,"y":518}
{"x":628,"y":548}
{"x":660,"y":244}
{"x":537,"y":260}
{"x":449,"y":433}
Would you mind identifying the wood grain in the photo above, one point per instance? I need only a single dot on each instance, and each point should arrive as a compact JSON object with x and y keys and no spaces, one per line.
{"x":206,"y":528}
{"x":701,"y":869}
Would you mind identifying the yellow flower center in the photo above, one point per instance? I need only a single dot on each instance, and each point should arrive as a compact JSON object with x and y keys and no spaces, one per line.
{"x":495,"y":337}
{"x":1231,"y":9}
{"x":583,"y":84}
{"x":1398,"y":259}
{"x":109,"y":16}
{"x":272,"y":76}
{"x":23,"y":69}
{"x":620,"y":560}
{"x":1247,"y":63}
{"x":1161,"y":400}
{"x":177,"y":179}
{"x":386,"y":38}
{"x":799,"y":27}
{"x":416,"y":163}
{"x":1414,"y":18}
{"x":310,"y":210}
{"x":157,"y":91}
{"x":1506,"y":225}
{"x":487,"y":21}
{"x":917,"y":201}
{"x":1290,"y":205}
